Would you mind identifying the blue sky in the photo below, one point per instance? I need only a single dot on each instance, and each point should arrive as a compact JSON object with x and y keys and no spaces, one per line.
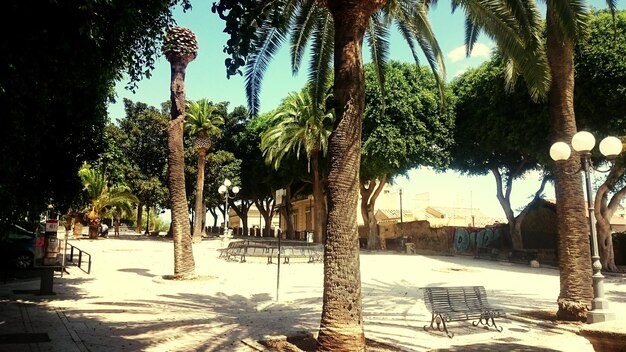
{"x":206,"y":78}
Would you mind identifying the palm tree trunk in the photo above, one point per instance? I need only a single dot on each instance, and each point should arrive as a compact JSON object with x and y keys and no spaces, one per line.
{"x":199,"y":206}
{"x":574,"y":249}
{"x":78,"y":225}
{"x":318,"y":198}
{"x":184,"y":265}
{"x":139,"y":217}
{"x":341,"y":327}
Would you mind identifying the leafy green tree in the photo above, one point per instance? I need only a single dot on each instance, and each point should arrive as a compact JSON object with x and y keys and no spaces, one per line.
{"x":301,"y":126}
{"x":499,"y":132}
{"x":405,"y":128}
{"x":102,"y":196}
{"x":142,"y":135}
{"x":600,"y":94}
{"x":56,"y":78}
{"x":203,"y":124}
{"x":341,"y":326}
{"x":180,"y":48}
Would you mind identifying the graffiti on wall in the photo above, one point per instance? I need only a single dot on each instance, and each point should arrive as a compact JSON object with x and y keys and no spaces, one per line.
{"x":469,"y":239}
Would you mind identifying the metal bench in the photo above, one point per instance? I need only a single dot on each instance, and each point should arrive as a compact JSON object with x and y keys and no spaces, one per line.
{"x":459,"y":303}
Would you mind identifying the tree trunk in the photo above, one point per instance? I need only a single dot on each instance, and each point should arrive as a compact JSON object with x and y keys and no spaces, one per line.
{"x":78,"y":226}
{"x":214,"y":215}
{"x":575,"y":295}
{"x":504,"y":197}
{"x":94,"y":228}
{"x":199,"y":206}
{"x":266,"y":208}
{"x":319,"y":209}
{"x":341,"y":326}
{"x":204,"y":210}
{"x":184,"y":265}
{"x":139,"y":217}
{"x":242,"y":212}
{"x":604,"y":210}
{"x":288,"y":213}
{"x":369,"y":195}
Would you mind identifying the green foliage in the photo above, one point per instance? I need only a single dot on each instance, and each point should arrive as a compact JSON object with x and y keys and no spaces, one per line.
{"x":495,"y":128}
{"x":58,"y":69}
{"x":101,"y":194}
{"x":258,"y":29}
{"x":600,"y":91}
{"x":143,"y":143}
{"x":297,"y":126}
{"x":203,"y":120}
{"x":407,"y":128}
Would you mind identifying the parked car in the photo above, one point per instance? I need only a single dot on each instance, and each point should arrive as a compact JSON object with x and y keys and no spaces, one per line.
{"x":17,"y":246}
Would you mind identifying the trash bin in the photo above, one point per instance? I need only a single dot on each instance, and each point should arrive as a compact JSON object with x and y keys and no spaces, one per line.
{"x":410,"y":248}
{"x":309,"y":237}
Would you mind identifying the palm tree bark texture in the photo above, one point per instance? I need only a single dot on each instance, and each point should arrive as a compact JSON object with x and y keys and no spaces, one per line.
{"x":199,"y":208}
{"x":341,"y":327}
{"x":575,"y":295}
{"x":184,"y":265}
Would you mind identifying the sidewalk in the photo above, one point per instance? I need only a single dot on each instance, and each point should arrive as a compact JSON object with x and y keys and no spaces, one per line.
{"x":125,"y":305}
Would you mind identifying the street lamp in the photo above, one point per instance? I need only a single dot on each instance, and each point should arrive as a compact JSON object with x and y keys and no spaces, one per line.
{"x":224,"y":190}
{"x":583,"y":142}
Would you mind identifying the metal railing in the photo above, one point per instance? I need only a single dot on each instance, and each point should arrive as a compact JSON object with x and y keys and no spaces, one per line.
{"x":69,"y":258}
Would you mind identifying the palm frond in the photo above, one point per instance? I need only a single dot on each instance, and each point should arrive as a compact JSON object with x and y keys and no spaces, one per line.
{"x":572,"y":17}
{"x":471,"y":35}
{"x":322,"y":49}
{"x":377,"y":36}
{"x":528,"y":52}
{"x":301,"y":30}
{"x":417,"y":19}
{"x":406,"y":33}
{"x":267,"y":43}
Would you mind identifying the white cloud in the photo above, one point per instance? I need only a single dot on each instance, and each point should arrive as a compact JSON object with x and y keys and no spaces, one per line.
{"x":480,"y":50}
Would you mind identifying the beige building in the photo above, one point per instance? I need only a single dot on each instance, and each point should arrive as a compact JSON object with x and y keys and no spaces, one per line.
{"x":390,"y":201}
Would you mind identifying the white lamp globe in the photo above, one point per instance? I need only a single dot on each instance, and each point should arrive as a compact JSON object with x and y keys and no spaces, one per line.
{"x":583,"y":142}
{"x":222,"y":189}
{"x":560,"y":151}
{"x":227,"y":183}
{"x":236,"y":189}
{"x":611,"y":147}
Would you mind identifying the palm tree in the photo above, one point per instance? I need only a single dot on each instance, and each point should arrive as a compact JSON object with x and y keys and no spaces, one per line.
{"x":301,"y":126}
{"x":180,"y":47}
{"x":515,"y":27}
{"x":566,"y":23}
{"x":203,"y":124}
{"x":102,"y":196}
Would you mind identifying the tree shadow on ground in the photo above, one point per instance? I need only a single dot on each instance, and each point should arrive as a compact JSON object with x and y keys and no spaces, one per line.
{"x":495,"y":346}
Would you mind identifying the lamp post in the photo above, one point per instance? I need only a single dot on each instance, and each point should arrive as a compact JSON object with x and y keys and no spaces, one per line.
{"x":224,"y":190}
{"x":583,"y":142}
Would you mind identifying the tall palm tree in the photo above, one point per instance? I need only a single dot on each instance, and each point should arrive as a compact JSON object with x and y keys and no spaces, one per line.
{"x":203,"y":124}
{"x":102,"y":196}
{"x":180,"y":47}
{"x":566,"y":23}
{"x":301,"y":126}
{"x":514,"y":26}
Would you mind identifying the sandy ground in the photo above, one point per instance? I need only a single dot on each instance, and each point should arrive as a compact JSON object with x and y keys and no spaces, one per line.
{"x":125,"y":304}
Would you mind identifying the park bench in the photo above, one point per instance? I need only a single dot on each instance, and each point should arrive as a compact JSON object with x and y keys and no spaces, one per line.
{"x":447,"y":304}
{"x":242,"y":249}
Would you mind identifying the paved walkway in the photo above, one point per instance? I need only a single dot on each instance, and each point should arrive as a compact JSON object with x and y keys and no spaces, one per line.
{"x":125,"y":305}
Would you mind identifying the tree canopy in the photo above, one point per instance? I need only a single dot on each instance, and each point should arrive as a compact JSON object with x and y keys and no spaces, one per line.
{"x":56,"y":77}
